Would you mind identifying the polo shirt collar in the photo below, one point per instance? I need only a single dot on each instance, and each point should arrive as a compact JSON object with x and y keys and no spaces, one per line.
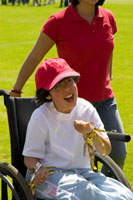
{"x":74,"y":16}
{"x":99,"y":13}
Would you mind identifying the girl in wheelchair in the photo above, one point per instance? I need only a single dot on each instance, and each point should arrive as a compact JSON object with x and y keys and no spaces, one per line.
{"x":61,"y":136}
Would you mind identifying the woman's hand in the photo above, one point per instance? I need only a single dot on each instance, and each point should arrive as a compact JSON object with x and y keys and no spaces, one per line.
{"x":14,"y":94}
{"x":41,"y":175}
{"x":82,"y":127}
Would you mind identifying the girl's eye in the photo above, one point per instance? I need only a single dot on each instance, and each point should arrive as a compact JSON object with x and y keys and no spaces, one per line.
{"x":57,"y":86}
{"x":70,"y":80}
{"x":60,"y":85}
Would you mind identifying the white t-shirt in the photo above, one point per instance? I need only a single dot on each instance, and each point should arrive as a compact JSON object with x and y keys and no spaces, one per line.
{"x":52,"y":138}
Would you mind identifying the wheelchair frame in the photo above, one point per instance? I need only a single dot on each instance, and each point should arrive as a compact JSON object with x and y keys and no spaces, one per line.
{"x":12,"y":175}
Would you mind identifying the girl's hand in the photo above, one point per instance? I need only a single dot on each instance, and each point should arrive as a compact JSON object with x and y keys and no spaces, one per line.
{"x":82,"y":127}
{"x":41,"y":175}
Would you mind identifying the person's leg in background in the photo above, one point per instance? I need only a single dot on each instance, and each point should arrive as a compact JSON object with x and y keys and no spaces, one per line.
{"x":110,"y":117}
{"x":13,"y":2}
{"x":66,"y":3}
{"x":4,"y":2}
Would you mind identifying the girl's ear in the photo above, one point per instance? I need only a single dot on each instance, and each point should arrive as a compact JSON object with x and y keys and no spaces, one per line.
{"x":49,"y":97}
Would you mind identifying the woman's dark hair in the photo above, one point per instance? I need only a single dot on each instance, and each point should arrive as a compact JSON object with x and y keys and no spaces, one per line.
{"x":75,"y":2}
{"x":42,"y":94}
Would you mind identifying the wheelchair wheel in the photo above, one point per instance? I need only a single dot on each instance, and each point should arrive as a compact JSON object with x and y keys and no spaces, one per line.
{"x":113,"y":169}
{"x":13,"y":184}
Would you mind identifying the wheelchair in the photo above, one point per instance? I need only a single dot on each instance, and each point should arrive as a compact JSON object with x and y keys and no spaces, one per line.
{"x":13,"y":184}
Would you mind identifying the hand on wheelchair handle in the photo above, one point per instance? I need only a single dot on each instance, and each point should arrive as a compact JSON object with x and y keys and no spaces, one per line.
{"x":13,"y":94}
{"x":41,"y":175}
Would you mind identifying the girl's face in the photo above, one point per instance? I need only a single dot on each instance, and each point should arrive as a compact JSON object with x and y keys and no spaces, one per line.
{"x":64,"y":95}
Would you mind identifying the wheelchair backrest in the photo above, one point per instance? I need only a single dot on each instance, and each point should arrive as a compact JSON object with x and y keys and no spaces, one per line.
{"x":19,"y":111}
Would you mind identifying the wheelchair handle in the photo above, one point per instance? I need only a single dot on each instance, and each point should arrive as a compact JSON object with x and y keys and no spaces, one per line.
{"x":4,"y":93}
{"x":119,"y":137}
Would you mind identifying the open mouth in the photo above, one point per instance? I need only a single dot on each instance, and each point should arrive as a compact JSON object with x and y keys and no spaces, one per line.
{"x":69,"y":97}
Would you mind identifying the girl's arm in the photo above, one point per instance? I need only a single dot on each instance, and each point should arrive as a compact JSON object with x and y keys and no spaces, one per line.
{"x":98,"y":145}
{"x":85,"y":127}
{"x":30,"y":162}
{"x":42,"y":46}
{"x":41,"y":174}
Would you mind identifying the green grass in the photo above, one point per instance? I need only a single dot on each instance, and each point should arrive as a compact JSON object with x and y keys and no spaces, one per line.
{"x":19,"y":29}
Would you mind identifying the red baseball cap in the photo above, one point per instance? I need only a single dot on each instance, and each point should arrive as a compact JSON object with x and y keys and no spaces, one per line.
{"x":51,"y":71}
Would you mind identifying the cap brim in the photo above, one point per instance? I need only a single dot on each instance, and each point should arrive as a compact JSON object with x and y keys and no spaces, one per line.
{"x":61,"y":77}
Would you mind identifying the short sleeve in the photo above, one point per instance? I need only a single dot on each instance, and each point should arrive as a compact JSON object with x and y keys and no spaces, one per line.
{"x":98,"y":123}
{"x":36,"y":137}
{"x":112,"y":22}
{"x":95,"y":119}
{"x":88,"y":113}
{"x":49,"y":28}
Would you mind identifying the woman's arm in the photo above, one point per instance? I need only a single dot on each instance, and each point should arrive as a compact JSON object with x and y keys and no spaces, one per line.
{"x":111,"y":61}
{"x":42,"y":46}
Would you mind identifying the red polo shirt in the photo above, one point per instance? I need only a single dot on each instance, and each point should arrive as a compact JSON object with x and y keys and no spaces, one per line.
{"x":87,"y":48}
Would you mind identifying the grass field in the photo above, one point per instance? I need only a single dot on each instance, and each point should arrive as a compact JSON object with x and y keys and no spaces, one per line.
{"x":19,"y":29}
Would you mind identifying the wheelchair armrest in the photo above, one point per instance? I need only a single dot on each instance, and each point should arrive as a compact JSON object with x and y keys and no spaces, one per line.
{"x":119,"y":137}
